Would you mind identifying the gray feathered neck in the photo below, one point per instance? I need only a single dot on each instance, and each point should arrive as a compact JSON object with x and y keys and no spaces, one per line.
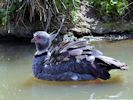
{"x":43,"y":41}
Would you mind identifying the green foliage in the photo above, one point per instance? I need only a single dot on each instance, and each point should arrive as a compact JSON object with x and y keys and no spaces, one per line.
{"x":10,"y":8}
{"x":3,"y":16}
{"x":74,"y":15}
{"x":109,"y":7}
{"x":38,"y":8}
{"x":105,"y":7}
{"x":67,"y":4}
{"x":35,"y":7}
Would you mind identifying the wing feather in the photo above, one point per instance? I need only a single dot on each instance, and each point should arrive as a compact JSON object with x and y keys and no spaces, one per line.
{"x":73,"y":45}
{"x":111,"y":61}
{"x":81,"y":50}
{"x":64,"y":50}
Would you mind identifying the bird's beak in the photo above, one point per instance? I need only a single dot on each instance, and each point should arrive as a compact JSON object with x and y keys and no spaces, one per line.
{"x":33,"y":40}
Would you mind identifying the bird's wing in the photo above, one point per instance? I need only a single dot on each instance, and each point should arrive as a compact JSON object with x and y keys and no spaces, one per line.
{"x":80,"y":50}
{"x":74,"y":45}
{"x":86,"y":59}
{"x":77,"y":49}
{"x":111,"y":62}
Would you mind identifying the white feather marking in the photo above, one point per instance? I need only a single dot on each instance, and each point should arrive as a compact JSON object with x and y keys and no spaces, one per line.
{"x":77,"y":60}
{"x":39,"y":52}
{"x":87,"y":48}
{"x":96,"y":52}
{"x":110,"y":61}
{"x":48,"y":55}
{"x":75,"y":52}
{"x":45,"y":65}
{"x":74,"y":77}
{"x":87,"y":52}
{"x":81,"y":57}
{"x":66,"y":59}
{"x":90,"y":58}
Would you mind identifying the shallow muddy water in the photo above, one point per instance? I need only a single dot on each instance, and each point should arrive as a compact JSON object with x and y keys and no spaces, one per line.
{"x":17,"y":82}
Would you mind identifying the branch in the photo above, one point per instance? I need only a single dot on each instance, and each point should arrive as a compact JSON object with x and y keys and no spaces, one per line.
{"x":48,"y":19}
{"x":54,"y":33}
{"x":61,"y":25}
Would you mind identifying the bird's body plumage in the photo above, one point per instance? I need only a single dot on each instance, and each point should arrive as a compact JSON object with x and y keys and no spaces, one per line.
{"x":73,"y":61}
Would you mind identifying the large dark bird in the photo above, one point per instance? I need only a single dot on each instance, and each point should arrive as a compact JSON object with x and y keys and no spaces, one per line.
{"x":70,"y":61}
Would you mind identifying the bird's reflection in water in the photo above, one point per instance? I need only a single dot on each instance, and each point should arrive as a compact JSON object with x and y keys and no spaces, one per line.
{"x":34,"y":81}
{"x":64,"y":90}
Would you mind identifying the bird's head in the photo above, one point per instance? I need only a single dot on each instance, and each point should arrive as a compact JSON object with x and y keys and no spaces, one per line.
{"x":42,"y":41}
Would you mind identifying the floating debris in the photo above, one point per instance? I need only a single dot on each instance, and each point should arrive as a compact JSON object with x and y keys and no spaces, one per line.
{"x":116,"y":96}
{"x":92,"y":96}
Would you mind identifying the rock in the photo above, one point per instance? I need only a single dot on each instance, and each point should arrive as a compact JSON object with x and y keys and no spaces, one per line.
{"x":117,"y":37}
{"x":80,"y":31}
{"x":69,"y":37}
{"x":91,"y":23}
{"x":24,"y":31}
{"x":112,"y":27}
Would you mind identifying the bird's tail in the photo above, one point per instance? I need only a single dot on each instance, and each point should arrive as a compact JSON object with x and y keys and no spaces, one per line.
{"x":113,"y":62}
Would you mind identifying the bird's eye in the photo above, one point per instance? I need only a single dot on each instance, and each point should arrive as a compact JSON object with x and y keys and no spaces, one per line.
{"x":38,"y":37}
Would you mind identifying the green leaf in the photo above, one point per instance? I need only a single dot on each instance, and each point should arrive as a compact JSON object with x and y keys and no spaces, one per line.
{"x":4,"y":20}
{"x":114,"y":2}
